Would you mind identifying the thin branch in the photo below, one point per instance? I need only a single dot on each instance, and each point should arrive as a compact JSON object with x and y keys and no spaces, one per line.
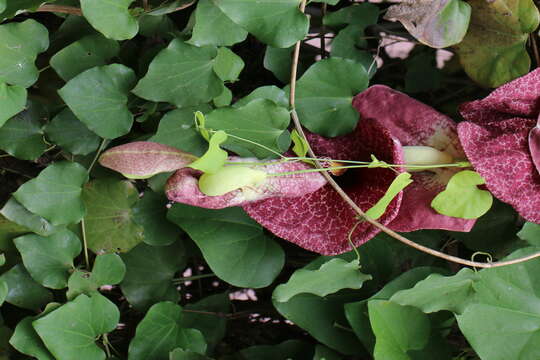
{"x":60,"y":9}
{"x":98,"y":152}
{"x":356,"y":208}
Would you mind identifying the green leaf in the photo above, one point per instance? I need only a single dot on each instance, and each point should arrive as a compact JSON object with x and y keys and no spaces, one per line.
{"x":279,"y":62}
{"x":331,"y":277}
{"x":111,"y":19}
{"x":20,"y":45}
{"x":108,"y":269}
{"x":348,"y":45}
{"x":229,"y":178}
{"x":71,"y":134}
{"x":4,"y":290}
{"x":92,"y":50}
{"x":70,"y":331}
{"x":180,"y":354}
{"x":301,"y":146}
{"x":17,"y":213}
{"x":13,"y":7}
{"x":55,"y":193}
{"x":215,"y":157}
{"x":462,"y":198}
{"x":228,"y":65}
{"x":278,"y":23}
{"x":3,"y":4}
{"x":12,"y":101}
{"x":161,"y":331}
{"x":23,"y":291}
{"x":49,"y":259}
{"x":438,"y":24}
{"x":260,"y":121}
{"x":98,"y":97}
{"x":398,"y":329}
{"x":530,"y":233}
{"x":155,"y":26}
{"x":270,"y":92}
{"x":109,"y":218}
{"x":150,"y":270}
{"x":181,"y":74}
{"x":324,"y":353}
{"x":224,"y":99}
{"x":213,"y":27}
{"x":26,"y":340}
{"x":399,"y":183}
{"x":22,"y":135}
{"x":290,"y":349}
{"x":324,"y":96}
{"x":150,"y":212}
{"x":426,"y":294}
{"x":356,"y":14}
{"x":493,"y":51}
{"x":229,"y":236}
{"x":176,"y":128}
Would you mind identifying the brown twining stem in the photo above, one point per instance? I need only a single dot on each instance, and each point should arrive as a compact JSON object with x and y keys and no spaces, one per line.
{"x":534,"y":43}
{"x":60,"y":9}
{"x":357,"y":209}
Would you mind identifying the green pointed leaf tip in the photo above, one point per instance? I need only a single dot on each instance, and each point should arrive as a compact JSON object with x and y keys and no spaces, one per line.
{"x":143,"y":159}
{"x":20,"y":43}
{"x":194,"y":79}
{"x":99,"y":96}
{"x":324,"y":96}
{"x":278,"y":23}
{"x":55,"y":193}
{"x":111,"y":19}
{"x":12,"y":101}
{"x":332,"y":276}
{"x":215,"y":157}
{"x":70,"y":331}
{"x":462,"y":198}
{"x":399,"y":183}
{"x":438,"y":24}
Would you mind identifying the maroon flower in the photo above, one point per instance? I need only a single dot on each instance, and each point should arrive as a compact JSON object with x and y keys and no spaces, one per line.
{"x":501,"y":138}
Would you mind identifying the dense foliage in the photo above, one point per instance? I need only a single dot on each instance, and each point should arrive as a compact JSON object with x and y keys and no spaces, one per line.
{"x":217,"y":236}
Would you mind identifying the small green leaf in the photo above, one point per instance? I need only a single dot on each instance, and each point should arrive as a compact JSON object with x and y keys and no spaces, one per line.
{"x":49,"y":259}
{"x":215,"y":157}
{"x":4,"y":290}
{"x":332,"y":276}
{"x":228,"y":65}
{"x":26,"y":340}
{"x":111,"y":19}
{"x":301,"y":146}
{"x":348,"y":45}
{"x":213,"y":27}
{"x":399,"y":183}
{"x":12,"y":101}
{"x":70,"y":331}
{"x":181,"y":74}
{"x":279,"y":61}
{"x":17,"y":213}
{"x":71,"y":134}
{"x":357,"y":14}
{"x":23,"y":291}
{"x":224,"y":99}
{"x":229,"y":178}
{"x":230,"y":236}
{"x":99,"y":96}
{"x":270,"y":92}
{"x":149,"y":274}
{"x":108,"y":269}
{"x":161,"y":331}
{"x":530,"y":233}
{"x":278,"y":23}
{"x":55,"y":193}
{"x":20,"y":43}
{"x":109,"y":218}
{"x":462,"y":198}
{"x":324,"y":96}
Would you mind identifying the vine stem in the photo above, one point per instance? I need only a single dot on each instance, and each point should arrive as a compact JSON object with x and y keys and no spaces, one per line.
{"x":60,"y":9}
{"x":356,"y":208}
{"x":85,"y":245}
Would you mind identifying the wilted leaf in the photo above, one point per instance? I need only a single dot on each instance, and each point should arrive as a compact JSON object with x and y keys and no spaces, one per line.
{"x":111,"y":19}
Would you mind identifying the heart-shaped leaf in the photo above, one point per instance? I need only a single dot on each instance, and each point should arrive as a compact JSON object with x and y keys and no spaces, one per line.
{"x":111,"y":19}
{"x":108,"y":269}
{"x":462,"y":198}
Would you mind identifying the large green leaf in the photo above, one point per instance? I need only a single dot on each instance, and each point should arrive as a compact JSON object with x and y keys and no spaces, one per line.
{"x":71,"y":134}
{"x":161,"y":331}
{"x":213,"y":27}
{"x":493,"y":51}
{"x":26,"y":340}
{"x":332,"y":276}
{"x":70,"y":331}
{"x":229,"y":236}
{"x":112,"y":19}
{"x":20,"y":215}
{"x":20,"y":43}
{"x":109,"y":218}
{"x":98,"y":97}
{"x":22,"y":135}
{"x":150,"y":270}
{"x":92,"y":50}
{"x":260,"y":121}
{"x":55,"y":193}
{"x":49,"y":259}
{"x":278,"y":23}
{"x":12,"y":101}
{"x":324,"y":96}
{"x":23,"y":291}
{"x":181,"y":74}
